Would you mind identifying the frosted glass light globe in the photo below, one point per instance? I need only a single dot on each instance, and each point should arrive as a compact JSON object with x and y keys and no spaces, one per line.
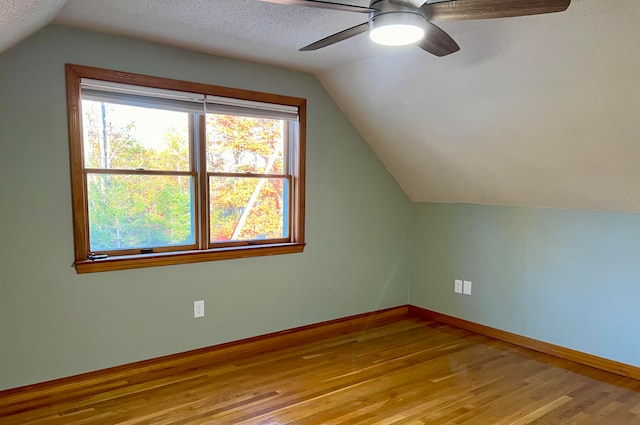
{"x":397,"y":28}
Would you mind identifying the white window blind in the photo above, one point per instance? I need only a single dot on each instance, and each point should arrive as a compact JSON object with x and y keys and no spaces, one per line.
{"x":149,"y":97}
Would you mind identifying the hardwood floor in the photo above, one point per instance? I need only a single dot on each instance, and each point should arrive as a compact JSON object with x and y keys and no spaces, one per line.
{"x":408,"y":371}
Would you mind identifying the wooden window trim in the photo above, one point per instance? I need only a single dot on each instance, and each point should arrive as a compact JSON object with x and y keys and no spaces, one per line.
{"x":74,"y":73}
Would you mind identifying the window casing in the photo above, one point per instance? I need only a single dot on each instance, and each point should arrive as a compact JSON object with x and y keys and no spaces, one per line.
{"x":170,"y":172}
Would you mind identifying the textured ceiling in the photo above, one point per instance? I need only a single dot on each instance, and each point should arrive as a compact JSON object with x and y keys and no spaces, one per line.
{"x":533,"y":111}
{"x":20,"y":18}
{"x":246,"y":29}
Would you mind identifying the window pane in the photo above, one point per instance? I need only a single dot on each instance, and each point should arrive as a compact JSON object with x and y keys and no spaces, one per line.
{"x":131,"y":137}
{"x":244,"y":145}
{"x":246,"y":208}
{"x":136,"y":211}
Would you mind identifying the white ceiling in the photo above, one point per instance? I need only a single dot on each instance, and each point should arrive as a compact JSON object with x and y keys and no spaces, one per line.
{"x":533,"y":111}
{"x":20,"y":18}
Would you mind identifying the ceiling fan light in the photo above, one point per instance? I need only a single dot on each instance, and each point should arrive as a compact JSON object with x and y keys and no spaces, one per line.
{"x":397,"y":28}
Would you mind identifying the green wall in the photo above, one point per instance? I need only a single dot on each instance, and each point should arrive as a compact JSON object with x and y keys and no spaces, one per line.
{"x":55,"y":323}
{"x":571,"y":278}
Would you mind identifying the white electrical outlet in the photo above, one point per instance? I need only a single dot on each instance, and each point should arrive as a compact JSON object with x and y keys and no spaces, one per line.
{"x":198,"y":309}
{"x":458,"y":287}
{"x":466,"y":287}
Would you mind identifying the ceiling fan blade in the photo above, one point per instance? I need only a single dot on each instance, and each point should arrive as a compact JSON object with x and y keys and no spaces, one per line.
{"x":438,"y":42}
{"x":332,"y":39}
{"x":323,"y":5}
{"x":486,"y":9}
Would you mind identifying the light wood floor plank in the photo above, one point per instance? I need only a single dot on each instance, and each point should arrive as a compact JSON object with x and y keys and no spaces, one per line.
{"x":406,"y":371}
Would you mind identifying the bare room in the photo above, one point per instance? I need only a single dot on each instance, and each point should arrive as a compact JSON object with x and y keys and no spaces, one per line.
{"x":319,"y":212}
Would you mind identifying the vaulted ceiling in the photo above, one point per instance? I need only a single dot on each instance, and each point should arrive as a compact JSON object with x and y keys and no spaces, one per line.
{"x":532,"y":111}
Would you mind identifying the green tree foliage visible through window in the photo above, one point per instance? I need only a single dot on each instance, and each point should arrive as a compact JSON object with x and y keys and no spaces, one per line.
{"x":139,"y":211}
{"x":136,"y":211}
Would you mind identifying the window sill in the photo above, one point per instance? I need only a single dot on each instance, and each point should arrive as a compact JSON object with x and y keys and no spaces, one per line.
{"x":184,"y":257}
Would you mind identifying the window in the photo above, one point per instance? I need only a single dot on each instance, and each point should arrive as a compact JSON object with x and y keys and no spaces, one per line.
{"x":169,"y":172}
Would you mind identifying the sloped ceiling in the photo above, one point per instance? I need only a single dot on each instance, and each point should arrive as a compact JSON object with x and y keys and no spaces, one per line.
{"x":533,"y":111}
{"x":20,"y":18}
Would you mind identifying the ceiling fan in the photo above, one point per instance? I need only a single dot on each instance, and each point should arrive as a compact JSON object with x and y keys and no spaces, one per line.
{"x":401,"y":22}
